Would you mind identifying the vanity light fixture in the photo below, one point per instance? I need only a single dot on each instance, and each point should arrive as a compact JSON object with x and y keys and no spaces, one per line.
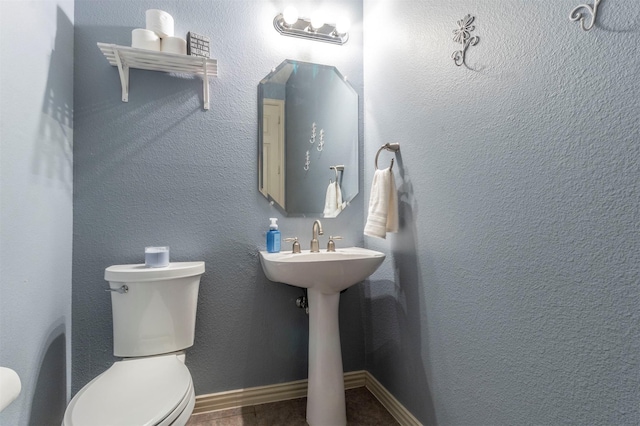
{"x":288,"y":23}
{"x":317,"y":21}
{"x":290,"y":15}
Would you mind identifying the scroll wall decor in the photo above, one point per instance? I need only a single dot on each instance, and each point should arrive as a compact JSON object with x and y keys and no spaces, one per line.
{"x":576,"y":14}
{"x":463,"y":36}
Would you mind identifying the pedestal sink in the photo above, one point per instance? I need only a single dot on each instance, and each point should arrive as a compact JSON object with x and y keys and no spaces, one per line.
{"x":325,"y":275}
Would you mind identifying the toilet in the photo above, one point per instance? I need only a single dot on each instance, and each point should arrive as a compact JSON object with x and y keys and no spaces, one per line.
{"x":154,"y":316}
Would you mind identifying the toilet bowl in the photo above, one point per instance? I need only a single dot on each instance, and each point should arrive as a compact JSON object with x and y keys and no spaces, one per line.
{"x":154,"y":320}
{"x":147,"y":391}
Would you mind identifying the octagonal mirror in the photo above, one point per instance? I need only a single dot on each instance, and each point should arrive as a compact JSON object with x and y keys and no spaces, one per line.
{"x":307,"y":139}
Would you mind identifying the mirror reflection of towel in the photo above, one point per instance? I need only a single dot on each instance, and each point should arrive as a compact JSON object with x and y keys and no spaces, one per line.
{"x":333,"y":200}
{"x":383,"y":205}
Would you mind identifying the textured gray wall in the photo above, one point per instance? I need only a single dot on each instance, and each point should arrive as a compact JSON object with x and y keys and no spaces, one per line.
{"x":511,"y":294}
{"x":160,"y":170}
{"x":36,"y":135}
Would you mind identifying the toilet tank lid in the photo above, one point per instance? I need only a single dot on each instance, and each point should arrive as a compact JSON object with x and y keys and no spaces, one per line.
{"x":141,"y":273}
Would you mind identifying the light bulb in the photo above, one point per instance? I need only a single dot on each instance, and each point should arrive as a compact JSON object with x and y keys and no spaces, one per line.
{"x":317,"y":20}
{"x":343,"y":25}
{"x":290,"y":15}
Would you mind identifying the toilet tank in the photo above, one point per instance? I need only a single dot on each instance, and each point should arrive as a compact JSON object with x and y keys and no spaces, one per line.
{"x":157,"y":312}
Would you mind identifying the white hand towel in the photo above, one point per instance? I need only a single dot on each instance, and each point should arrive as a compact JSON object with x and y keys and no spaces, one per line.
{"x":330,"y":201}
{"x":383,"y":205}
{"x":339,"y":203}
{"x":333,"y":200}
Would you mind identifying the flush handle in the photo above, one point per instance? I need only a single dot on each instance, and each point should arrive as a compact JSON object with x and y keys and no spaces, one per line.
{"x":121,"y":290}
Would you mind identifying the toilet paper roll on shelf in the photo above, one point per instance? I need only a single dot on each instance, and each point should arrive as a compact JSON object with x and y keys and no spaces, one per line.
{"x":159,"y":22}
{"x":145,"y":39}
{"x":174,"y":45}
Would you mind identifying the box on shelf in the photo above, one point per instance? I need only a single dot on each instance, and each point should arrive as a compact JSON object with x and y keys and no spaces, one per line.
{"x":198,"y":45}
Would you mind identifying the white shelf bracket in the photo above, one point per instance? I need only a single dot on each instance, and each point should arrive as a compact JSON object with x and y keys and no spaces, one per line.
{"x":123,"y":70}
{"x":125,"y":58}
{"x":205,"y":85}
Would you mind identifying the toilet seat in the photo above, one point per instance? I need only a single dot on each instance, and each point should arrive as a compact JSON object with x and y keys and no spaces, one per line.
{"x":152,"y":391}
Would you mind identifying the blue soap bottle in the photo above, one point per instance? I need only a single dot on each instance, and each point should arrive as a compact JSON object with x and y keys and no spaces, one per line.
{"x":273,"y":236}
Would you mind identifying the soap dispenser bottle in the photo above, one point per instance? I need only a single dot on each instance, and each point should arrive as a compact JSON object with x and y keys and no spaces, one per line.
{"x":273,"y":236}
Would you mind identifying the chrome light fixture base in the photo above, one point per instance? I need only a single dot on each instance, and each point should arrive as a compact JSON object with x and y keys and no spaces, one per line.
{"x":302,"y":29}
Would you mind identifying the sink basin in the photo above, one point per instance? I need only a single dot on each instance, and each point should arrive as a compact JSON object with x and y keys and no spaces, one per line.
{"x":325,"y":275}
{"x":328,"y":272}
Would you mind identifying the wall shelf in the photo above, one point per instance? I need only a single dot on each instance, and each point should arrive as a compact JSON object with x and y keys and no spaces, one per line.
{"x":128,"y":57}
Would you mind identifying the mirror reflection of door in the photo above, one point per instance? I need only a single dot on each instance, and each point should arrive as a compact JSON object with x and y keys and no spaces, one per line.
{"x":273,"y":150}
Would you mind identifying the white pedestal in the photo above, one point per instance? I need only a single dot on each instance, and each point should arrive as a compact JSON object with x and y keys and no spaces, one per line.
{"x":325,"y":397}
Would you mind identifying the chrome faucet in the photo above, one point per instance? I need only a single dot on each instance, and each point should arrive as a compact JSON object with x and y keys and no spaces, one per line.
{"x":316,"y":230}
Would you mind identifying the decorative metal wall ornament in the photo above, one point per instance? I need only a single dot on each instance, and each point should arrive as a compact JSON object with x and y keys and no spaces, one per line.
{"x":463,"y":36}
{"x":576,"y":15}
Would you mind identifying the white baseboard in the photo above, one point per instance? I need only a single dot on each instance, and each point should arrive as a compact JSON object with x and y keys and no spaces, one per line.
{"x":298,"y":389}
{"x":393,"y":406}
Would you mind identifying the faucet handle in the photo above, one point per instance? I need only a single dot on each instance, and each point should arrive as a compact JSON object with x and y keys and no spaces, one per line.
{"x":296,"y":244}
{"x":331,"y":245}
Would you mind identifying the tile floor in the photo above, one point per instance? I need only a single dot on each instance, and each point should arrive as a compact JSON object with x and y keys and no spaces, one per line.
{"x":363,"y":409}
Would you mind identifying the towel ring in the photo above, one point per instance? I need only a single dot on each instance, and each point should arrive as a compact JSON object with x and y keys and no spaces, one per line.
{"x":337,"y":168}
{"x":393,"y":147}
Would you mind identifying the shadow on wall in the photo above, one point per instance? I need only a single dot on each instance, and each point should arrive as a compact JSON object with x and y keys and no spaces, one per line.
{"x":397,"y":320}
{"x":53,"y":157}
{"x":50,"y":393}
{"x":279,"y":330}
